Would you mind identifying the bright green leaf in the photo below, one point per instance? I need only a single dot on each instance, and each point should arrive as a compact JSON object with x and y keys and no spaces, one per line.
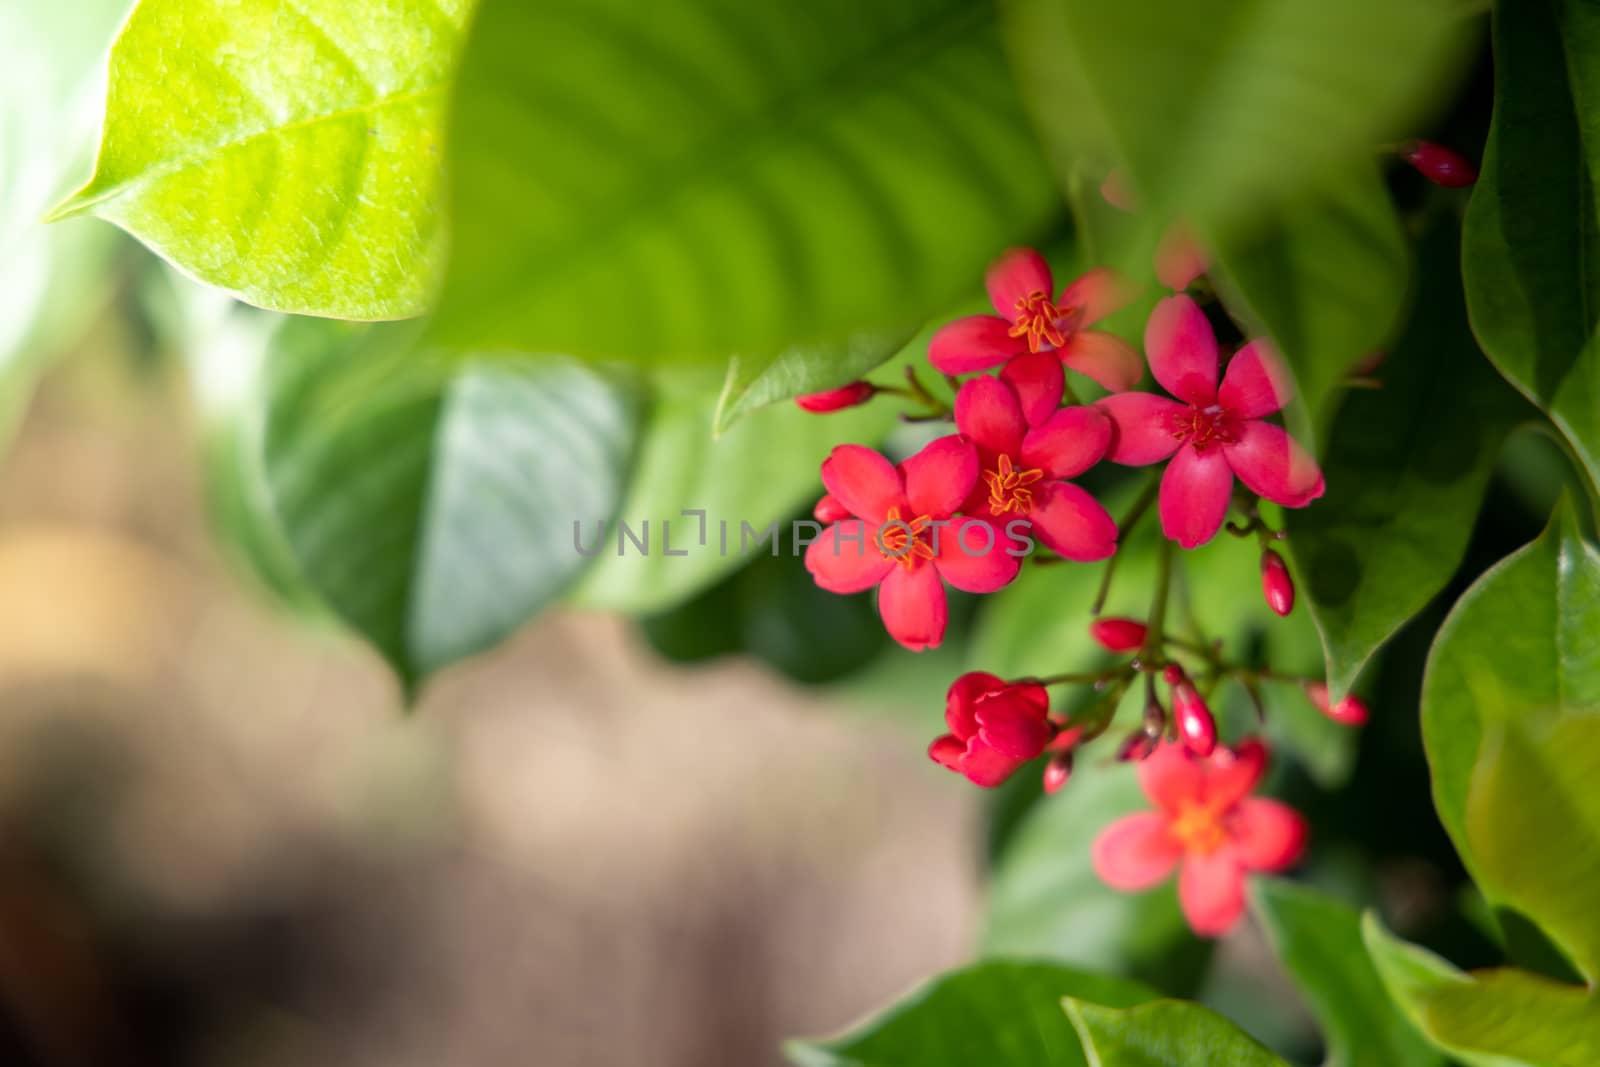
{"x":724,"y":177}
{"x":289,"y":151}
{"x":998,"y":1014}
{"x":1318,"y":940}
{"x":1498,"y":1018}
{"x":1530,"y":245}
{"x":1510,"y":707}
{"x":1407,"y":465}
{"x":1164,"y":1033}
{"x":430,"y":503}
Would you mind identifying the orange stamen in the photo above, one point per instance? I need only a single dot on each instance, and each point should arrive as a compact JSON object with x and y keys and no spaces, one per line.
{"x":904,"y":542}
{"x":1040,"y":320}
{"x":1009,"y":488}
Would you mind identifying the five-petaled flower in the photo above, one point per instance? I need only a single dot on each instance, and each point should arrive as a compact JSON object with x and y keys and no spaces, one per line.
{"x":902,"y":537}
{"x":995,"y":727}
{"x":1210,"y":433}
{"x":1030,"y":319}
{"x":1206,"y":824}
{"x":1027,"y":443}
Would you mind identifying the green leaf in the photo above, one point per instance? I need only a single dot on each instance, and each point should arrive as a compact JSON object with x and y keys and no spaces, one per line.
{"x":1407,"y":465}
{"x":729,"y":178}
{"x":753,"y":384}
{"x":756,"y":475}
{"x":1215,"y":107}
{"x":288,"y":151}
{"x":1497,"y":1018}
{"x":1165,"y":1033}
{"x":1530,"y":245}
{"x":1318,"y":940}
{"x":432,"y":502}
{"x":1511,"y":720}
{"x":998,"y":1014}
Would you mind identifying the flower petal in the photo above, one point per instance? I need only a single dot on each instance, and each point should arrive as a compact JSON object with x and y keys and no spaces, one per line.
{"x":1017,"y":275}
{"x":913,"y":606}
{"x":1268,"y":835}
{"x":1105,"y":357}
{"x":947,"y":749}
{"x":973,"y":556}
{"x":1182,"y":350}
{"x":1135,"y":852}
{"x":1195,"y":491}
{"x":1274,"y":465}
{"x":1171,"y":777}
{"x":986,"y":767}
{"x":844,"y":559}
{"x":1071,"y":523}
{"x":974,"y":343}
{"x":1039,"y":383}
{"x":1141,"y":427}
{"x":1007,"y":727}
{"x":1256,"y":382}
{"x":961,"y":699}
{"x":1096,"y":294}
{"x":863,"y":481}
{"x":1231,"y":773}
{"x":1069,"y":443}
{"x":939,"y":477}
{"x":989,"y":415}
{"x":1211,"y":891}
{"x":1179,"y":259}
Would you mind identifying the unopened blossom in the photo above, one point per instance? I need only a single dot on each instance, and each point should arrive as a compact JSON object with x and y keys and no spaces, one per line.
{"x":1118,"y":634}
{"x":1027,"y":444}
{"x":1351,"y":711}
{"x":1207,"y":827}
{"x":1211,"y":434}
{"x":1440,"y":165}
{"x":1197,"y":727}
{"x":1031,"y":319}
{"x":1057,"y":772}
{"x":1277,"y":585}
{"x":900,"y":536}
{"x":846,"y":396}
{"x":995,"y":727}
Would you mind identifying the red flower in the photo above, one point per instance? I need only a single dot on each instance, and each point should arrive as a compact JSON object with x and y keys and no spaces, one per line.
{"x":1027,"y":443}
{"x":902,"y":539}
{"x":846,"y":396}
{"x":995,"y":727}
{"x":1020,"y":285}
{"x":1205,"y":822}
{"x":1214,"y":433}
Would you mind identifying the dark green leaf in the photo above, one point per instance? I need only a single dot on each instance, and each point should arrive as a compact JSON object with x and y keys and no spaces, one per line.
{"x":724,"y":177}
{"x":1165,"y":1033}
{"x":1498,"y":1018}
{"x":998,"y":1014}
{"x":1407,"y":465}
{"x":1318,"y":940}
{"x":1531,"y":247}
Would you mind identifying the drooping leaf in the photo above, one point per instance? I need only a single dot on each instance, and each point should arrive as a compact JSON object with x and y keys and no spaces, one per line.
{"x":999,"y":1014}
{"x":1407,"y":465}
{"x":1163,"y":1033}
{"x":1318,"y":940}
{"x":1530,"y":243}
{"x":724,"y":177}
{"x":1510,"y":707}
{"x":753,"y":384}
{"x":431,"y":502}
{"x":1496,"y":1018}
{"x":289,"y":151}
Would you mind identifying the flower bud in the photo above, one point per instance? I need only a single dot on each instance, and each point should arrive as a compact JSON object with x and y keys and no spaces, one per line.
{"x":1196,"y":726}
{"x":1138,"y":745}
{"x":846,"y":396}
{"x":1438,"y":164}
{"x":1277,"y":585}
{"x":1057,"y":771}
{"x":1350,"y":711}
{"x":1118,"y":635}
{"x":829,"y":509}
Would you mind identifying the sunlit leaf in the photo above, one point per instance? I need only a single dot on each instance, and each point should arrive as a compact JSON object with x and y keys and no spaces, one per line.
{"x":1164,"y":1033}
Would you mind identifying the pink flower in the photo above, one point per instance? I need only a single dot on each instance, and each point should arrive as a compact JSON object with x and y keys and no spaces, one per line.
{"x":846,"y":396}
{"x":1180,"y":259}
{"x":1205,"y":823}
{"x":995,"y":727}
{"x":1020,"y":285}
{"x":1211,"y":433}
{"x":1027,"y":443}
{"x":901,"y":537}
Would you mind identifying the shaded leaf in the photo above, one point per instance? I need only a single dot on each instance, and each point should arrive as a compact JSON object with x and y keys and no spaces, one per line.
{"x":1165,"y":1033}
{"x":753,"y":384}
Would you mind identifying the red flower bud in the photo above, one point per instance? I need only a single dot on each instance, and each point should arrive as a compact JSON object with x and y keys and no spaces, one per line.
{"x":1277,"y":585}
{"x":1350,"y":711}
{"x":1196,"y":726}
{"x":1118,"y":635}
{"x":846,"y":396}
{"x":829,"y":509}
{"x":1057,"y":771}
{"x":1172,"y":674}
{"x":1438,"y":164}
{"x":1138,"y":746}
